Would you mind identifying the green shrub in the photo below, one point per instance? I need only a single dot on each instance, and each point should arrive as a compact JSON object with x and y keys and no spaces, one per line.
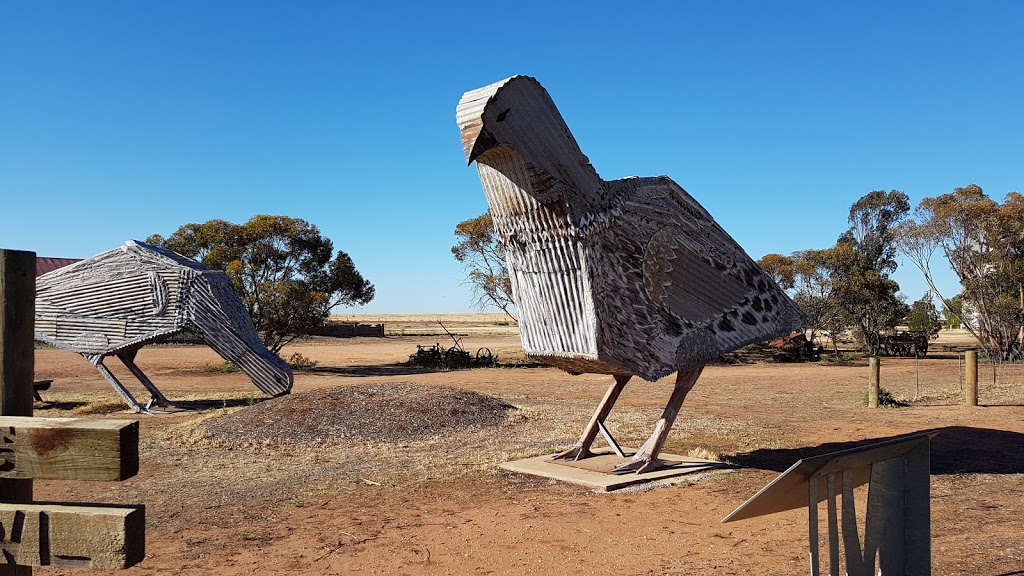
{"x":885,"y":398}
{"x":299,"y":362}
{"x":222,"y":368}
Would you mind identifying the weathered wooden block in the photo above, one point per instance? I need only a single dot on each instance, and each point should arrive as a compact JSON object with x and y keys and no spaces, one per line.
{"x":68,"y":448}
{"x":72,"y":535}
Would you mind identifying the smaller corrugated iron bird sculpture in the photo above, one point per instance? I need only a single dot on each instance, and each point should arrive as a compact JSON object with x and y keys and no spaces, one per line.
{"x":619,"y":277}
{"x":117,"y":302}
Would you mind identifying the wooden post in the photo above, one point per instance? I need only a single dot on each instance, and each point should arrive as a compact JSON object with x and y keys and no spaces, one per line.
{"x":1020,"y":333}
{"x":874,"y":381}
{"x":971,"y":377}
{"x":17,"y":360}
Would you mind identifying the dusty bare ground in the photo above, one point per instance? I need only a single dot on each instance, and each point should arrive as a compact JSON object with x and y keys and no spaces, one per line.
{"x":435,"y":503}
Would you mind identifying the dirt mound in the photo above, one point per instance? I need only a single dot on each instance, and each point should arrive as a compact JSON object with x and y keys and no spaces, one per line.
{"x":396,"y":412}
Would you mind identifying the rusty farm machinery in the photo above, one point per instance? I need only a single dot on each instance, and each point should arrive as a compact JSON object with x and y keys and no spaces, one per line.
{"x":795,"y":348}
{"x":899,"y":343}
{"x":453,"y":358}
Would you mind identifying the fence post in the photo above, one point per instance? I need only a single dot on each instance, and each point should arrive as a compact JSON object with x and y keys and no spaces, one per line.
{"x":17,"y":358}
{"x":874,"y":381}
{"x":971,"y":377}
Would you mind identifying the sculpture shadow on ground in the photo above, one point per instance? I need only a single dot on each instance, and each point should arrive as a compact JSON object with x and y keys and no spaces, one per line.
{"x":83,"y":406}
{"x":955,"y":450}
{"x":65,"y":405}
{"x":210,"y":404}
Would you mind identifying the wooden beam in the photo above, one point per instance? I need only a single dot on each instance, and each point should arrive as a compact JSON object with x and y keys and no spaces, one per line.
{"x":68,"y":448}
{"x":73,"y":535}
{"x":17,"y":359}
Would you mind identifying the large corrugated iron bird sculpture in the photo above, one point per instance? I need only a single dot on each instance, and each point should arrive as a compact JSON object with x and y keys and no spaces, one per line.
{"x":117,"y":302}
{"x":618,"y":277}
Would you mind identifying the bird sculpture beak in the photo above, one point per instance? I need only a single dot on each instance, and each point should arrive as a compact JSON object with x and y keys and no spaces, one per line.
{"x":476,"y":144}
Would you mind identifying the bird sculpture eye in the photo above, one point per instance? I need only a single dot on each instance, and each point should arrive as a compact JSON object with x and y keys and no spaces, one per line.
{"x":501,"y":115}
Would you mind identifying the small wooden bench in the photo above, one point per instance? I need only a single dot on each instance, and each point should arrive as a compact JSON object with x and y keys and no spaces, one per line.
{"x":40,"y":385}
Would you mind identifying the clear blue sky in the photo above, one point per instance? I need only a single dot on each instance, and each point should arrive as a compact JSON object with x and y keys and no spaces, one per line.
{"x":123,"y":119}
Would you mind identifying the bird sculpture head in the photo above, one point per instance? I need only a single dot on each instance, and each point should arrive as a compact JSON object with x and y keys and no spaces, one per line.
{"x":219,"y":318}
{"x":214,"y":313}
{"x":515,"y":112}
{"x":514,"y":128}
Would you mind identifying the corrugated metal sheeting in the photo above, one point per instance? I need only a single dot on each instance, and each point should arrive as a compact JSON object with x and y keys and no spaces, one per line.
{"x":121,"y":300}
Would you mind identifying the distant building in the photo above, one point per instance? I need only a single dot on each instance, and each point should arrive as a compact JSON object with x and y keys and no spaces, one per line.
{"x":44,"y":265}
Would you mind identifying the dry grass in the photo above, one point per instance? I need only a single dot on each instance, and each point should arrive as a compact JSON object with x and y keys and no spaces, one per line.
{"x":703,"y":453}
{"x":99,"y":407}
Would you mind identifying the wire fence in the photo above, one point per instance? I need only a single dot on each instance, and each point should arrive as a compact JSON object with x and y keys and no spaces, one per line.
{"x":938,"y":379}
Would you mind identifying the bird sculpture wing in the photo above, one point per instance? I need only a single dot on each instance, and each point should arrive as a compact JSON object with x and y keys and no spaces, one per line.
{"x":92,"y":309}
{"x":699,"y":283}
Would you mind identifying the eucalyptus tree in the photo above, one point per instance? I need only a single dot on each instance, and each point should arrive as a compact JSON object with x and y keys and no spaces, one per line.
{"x":286,"y":272}
{"x":983,"y":242}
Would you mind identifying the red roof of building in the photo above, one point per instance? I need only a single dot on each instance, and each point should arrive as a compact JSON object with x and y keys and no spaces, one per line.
{"x":44,"y":265}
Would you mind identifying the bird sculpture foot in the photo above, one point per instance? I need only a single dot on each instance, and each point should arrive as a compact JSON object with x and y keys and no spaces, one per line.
{"x":640,"y":463}
{"x":162,"y":404}
{"x":168,"y":408}
{"x":577,"y":452}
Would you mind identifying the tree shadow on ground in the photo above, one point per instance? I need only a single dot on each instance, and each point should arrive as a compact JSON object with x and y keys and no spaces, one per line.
{"x":956,"y":401}
{"x":114,"y":406}
{"x":955,"y":450}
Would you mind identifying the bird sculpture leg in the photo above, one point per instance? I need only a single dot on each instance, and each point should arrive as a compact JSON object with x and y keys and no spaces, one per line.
{"x":156,"y":397}
{"x":581,"y":449}
{"x":646,"y":459}
{"x":123,"y":392}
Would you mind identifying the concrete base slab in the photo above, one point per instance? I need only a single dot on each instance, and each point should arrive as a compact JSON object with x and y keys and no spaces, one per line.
{"x":596,"y":471}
